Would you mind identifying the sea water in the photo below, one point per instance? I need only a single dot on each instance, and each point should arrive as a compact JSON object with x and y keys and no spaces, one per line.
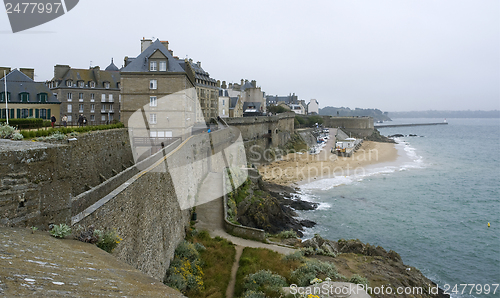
{"x":432,"y":205}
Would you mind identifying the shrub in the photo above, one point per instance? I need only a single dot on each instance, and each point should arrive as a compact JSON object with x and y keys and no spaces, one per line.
{"x":253,"y":294}
{"x":17,"y":136}
{"x":57,"y":135}
{"x":312,"y":269}
{"x":90,"y":235}
{"x":6,"y":131}
{"x":185,"y":273}
{"x":60,"y":231}
{"x":108,"y":240}
{"x":357,"y":279}
{"x":296,"y":256}
{"x":265,"y":281}
{"x":287,"y":234}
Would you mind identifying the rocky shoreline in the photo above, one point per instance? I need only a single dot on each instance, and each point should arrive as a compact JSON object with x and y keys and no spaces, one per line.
{"x":272,"y":207}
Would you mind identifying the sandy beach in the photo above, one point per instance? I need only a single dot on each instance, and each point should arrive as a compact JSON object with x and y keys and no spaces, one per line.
{"x":305,"y":167}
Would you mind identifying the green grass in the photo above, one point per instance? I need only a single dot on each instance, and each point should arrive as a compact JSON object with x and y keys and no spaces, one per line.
{"x":217,"y":260}
{"x":254,"y":259}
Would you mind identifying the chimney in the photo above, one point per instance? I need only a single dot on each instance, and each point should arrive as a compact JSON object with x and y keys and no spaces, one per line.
{"x":97,"y":74}
{"x":60,"y":71}
{"x":230,"y":85}
{"x":165,"y":43}
{"x":30,"y":72}
{"x":218,"y":83}
{"x":242,"y":82}
{"x":145,"y":43}
{"x":7,"y":71}
{"x":171,"y":52}
{"x":254,"y":83}
{"x":190,"y":60}
{"x":199,"y":64}
{"x":224,"y":86}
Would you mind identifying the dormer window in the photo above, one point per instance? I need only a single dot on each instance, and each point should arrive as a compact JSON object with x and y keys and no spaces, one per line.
{"x":106,"y":85}
{"x":24,"y":97}
{"x":92,"y":84}
{"x":69,"y":83}
{"x":163,"y":65}
{"x":118,"y":85}
{"x":42,"y":97}
{"x":2,"y":96}
{"x":81,"y":84}
{"x":153,"y":66}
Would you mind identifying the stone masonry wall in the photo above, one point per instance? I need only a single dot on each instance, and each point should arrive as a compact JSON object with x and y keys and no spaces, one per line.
{"x":38,"y":180}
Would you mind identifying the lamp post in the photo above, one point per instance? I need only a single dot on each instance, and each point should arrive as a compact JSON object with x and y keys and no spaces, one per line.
{"x":6,"y":99}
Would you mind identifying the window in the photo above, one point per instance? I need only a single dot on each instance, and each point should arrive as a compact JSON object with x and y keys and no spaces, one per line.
{"x":152,"y":118}
{"x":223,"y":102}
{"x":106,"y":85}
{"x":152,"y":101}
{"x":92,"y":117}
{"x":69,"y":83}
{"x":163,"y":65}
{"x":43,"y":113}
{"x":152,"y":84}
{"x":111,"y":117}
{"x":24,"y":113}
{"x":70,"y":96}
{"x":111,"y":98}
{"x":92,"y":97}
{"x":110,"y":109}
{"x":103,"y":98}
{"x":103,"y":118}
{"x":152,"y":66}
{"x":70,"y":109}
{"x":80,"y":108}
{"x":70,"y":118}
{"x":92,"y":84}
{"x":80,"y":84}
{"x":2,"y":96}
{"x":24,"y":96}
{"x":80,"y":96}
{"x":119,"y":98}
{"x":42,"y":97}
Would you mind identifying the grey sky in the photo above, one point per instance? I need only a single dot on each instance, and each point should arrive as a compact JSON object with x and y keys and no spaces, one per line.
{"x":390,"y":54}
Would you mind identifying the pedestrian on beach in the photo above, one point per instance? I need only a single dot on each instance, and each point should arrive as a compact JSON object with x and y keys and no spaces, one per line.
{"x":52,"y":120}
{"x":65,"y":120}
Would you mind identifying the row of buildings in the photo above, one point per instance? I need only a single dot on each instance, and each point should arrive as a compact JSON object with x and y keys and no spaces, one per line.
{"x":145,"y":81}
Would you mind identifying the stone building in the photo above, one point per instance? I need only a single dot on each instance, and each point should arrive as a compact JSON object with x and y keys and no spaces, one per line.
{"x":236,"y":107}
{"x":158,"y":94}
{"x":313,"y":107}
{"x":25,"y":97}
{"x":224,"y":103}
{"x":93,"y":92}
{"x":252,"y":96}
{"x":206,"y":90}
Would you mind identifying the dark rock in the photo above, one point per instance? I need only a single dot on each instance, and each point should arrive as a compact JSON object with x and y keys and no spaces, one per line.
{"x":307,"y":223}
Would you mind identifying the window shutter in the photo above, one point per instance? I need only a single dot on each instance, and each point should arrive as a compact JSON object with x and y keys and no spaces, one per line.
{"x":18,"y":113}
{"x":49,"y":115}
{"x":11,"y":112}
{"x":31,"y":112}
{"x":37,"y":113}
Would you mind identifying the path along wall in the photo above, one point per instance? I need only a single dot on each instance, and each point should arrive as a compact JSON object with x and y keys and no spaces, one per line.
{"x":38,"y":180}
{"x":151,"y":211}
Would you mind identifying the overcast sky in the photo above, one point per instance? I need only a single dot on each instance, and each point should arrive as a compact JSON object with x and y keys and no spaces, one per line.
{"x":395,"y":55}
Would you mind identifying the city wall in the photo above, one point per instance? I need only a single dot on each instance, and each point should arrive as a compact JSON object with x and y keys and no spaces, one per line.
{"x":38,"y":180}
{"x":263,"y":132}
{"x":358,"y":126}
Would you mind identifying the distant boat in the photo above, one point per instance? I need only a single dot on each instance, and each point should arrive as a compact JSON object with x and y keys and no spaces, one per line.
{"x":445,"y":120}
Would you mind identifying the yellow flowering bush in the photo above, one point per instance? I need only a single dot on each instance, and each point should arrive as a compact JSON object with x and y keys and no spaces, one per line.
{"x":185,"y":273}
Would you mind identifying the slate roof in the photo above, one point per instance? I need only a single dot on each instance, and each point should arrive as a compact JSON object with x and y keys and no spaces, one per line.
{"x":199,"y":72}
{"x":94,"y":74}
{"x":141,"y":63}
{"x":18,"y":82}
{"x":253,"y":104}
{"x":112,"y":67}
{"x":233,"y":101}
